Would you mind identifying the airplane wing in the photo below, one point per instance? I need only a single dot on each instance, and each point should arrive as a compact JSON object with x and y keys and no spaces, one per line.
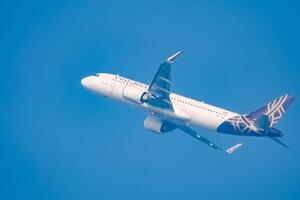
{"x":208,"y":142}
{"x":161,"y":83}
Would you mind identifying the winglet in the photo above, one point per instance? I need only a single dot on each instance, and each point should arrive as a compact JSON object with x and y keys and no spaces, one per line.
{"x":235,"y":147}
{"x":173,"y":57}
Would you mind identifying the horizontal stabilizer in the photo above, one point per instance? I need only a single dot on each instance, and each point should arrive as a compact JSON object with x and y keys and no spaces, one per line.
{"x":279,"y":142}
{"x":235,"y":147}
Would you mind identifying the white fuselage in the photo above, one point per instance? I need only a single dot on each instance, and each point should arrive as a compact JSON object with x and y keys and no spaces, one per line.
{"x":185,"y":110}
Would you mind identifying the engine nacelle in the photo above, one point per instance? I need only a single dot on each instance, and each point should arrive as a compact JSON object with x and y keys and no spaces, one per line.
{"x":156,"y":125}
{"x":135,"y":95}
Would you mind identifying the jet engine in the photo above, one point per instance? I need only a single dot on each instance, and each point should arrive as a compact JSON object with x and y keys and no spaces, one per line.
{"x":135,"y":95}
{"x":157,"y":125}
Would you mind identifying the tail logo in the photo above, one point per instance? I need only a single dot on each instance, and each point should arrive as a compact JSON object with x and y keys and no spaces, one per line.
{"x":276,"y":109}
{"x":245,"y":123}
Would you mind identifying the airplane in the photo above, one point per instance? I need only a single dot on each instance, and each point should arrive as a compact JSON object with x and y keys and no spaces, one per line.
{"x":166,"y":111}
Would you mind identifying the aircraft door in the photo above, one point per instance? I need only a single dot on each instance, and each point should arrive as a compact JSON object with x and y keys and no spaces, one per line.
{"x":118,"y":87}
{"x":112,"y":86}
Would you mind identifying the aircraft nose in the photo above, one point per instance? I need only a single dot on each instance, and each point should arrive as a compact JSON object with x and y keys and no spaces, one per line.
{"x":85,"y":81}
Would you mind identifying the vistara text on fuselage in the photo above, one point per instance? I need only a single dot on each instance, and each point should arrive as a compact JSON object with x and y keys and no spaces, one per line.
{"x":166,"y":111}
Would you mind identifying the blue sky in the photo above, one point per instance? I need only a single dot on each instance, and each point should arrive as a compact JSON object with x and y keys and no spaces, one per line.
{"x":57,"y":141}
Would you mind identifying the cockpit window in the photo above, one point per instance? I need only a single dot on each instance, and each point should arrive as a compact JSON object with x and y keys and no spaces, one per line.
{"x":97,"y":75}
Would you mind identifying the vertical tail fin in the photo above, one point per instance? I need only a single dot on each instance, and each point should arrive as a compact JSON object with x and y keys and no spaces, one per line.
{"x":274,"y":110}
